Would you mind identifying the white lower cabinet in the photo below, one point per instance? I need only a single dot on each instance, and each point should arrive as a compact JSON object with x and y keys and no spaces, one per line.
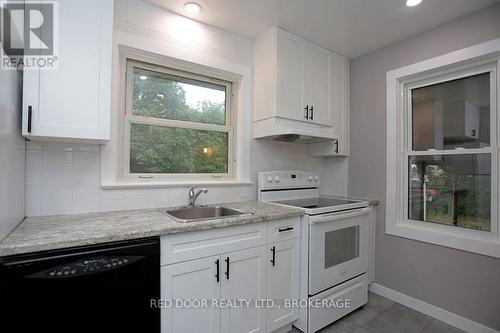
{"x":250,"y":272}
{"x":194,"y":279}
{"x":246,"y":280}
{"x":283,"y":282}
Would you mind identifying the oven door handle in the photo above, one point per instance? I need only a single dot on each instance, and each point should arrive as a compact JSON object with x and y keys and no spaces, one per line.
{"x":339,"y":215}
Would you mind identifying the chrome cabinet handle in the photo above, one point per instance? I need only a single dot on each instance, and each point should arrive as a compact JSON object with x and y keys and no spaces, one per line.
{"x":306,"y":113}
{"x":311,"y":109}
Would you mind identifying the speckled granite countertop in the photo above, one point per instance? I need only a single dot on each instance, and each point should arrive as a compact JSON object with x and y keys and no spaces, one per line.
{"x":62,"y":231}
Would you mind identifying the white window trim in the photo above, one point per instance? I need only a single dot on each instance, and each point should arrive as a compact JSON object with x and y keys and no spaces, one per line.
{"x":129,"y":118}
{"x":144,"y":49}
{"x":486,"y":243}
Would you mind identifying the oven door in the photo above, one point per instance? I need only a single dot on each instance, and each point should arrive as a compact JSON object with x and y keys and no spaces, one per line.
{"x":338,"y":249}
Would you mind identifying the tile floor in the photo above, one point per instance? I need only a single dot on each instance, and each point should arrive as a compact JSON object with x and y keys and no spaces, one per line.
{"x":381,"y":315}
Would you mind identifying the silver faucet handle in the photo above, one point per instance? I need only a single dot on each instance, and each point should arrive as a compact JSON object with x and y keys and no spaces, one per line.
{"x":204,"y":190}
{"x":191,"y":191}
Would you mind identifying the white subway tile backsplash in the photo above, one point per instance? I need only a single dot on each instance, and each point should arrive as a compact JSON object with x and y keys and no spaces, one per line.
{"x":53,"y":188}
{"x":33,"y":197}
{"x":34,"y":157}
{"x":136,"y":203}
{"x":159,"y":202}
{"x":108,"y":205}
{"x":57,"y":208}
{"x":56,"y":170}
{"x":92,"y":158}
{"x":112,"y":194}
{"x":86,"y":195}
{"x":32,"y":209}
{"x":136,"y":194}
{"x":31,"y":146}
{"x":84,"y":170}
{"x":50,"y":196}
{"x":57,"y":155}
{"x":57,"y":183}
{"x":80,"y":207}
{"x":33,"y":183}
{"x":85,"y":183}
{"x":34,"y":170}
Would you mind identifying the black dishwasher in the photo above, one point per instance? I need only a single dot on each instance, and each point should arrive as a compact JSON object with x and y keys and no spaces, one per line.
{"x":98,"y":288}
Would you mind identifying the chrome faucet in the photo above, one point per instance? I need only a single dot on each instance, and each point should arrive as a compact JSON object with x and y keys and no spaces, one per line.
{"x":194,"y":195}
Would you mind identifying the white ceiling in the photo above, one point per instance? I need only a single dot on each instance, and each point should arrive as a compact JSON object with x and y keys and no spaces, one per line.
{"x":349,"y":27}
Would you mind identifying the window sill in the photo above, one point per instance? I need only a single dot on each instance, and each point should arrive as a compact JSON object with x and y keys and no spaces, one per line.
{"x":480,"y":242}
{"x":157,"y":184}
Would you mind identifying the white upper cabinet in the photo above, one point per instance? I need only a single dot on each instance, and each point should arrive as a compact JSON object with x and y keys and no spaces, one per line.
{"x":300,"y":90}
{"x":316,"y":90}
{"x":289,"y":78}
{"x":72,"y":103}
{"x":339,"y":101}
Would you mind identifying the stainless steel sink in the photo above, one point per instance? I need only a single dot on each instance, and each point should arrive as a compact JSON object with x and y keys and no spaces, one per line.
{"x":192,"y":214}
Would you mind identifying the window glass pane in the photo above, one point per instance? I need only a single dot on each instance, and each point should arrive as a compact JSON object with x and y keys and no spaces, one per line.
{"x":451,"y":189}
{"x":166,"y":96}
{"x":341,"y":245}
{"x":157,"y":149}
{"x":452,"y":114}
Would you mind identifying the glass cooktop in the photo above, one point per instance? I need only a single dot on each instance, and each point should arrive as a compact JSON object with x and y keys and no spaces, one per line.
{"x":317,"y":202}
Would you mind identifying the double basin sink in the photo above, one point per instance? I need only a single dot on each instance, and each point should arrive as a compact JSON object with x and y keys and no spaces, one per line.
{"x":203,"y":213}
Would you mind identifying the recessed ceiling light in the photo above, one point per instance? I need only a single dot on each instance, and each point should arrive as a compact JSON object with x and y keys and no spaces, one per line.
{"x":413,"y":3}
{"x":143,"y":77}
{"x":192,"y":7}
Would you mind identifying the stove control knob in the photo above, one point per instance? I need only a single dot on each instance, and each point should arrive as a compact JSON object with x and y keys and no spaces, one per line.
{"x":310,"y":178}
{"x":270,"y":179}
{"x":277,"y":179}
{"x":316,"y":178}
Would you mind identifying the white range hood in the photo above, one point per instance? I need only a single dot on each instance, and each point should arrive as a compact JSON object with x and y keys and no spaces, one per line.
{"x":286,"y":130}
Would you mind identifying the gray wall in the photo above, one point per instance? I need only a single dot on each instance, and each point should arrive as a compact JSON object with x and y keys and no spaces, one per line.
{"x":464,"y":283}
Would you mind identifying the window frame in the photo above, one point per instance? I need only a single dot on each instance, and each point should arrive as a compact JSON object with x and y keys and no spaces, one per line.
{"x":492,"y":149}
{"x":129,"y":118}
{"x":459,"y":64}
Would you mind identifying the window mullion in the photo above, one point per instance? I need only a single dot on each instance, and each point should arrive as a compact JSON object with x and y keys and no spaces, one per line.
{"x":487,"y":150}
{"x":177,"y":123}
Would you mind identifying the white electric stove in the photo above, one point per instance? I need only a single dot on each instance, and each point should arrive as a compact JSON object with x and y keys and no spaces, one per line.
{"x":334,"y":246}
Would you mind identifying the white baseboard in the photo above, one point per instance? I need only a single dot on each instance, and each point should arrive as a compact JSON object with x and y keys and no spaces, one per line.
{"x":431,"y":310}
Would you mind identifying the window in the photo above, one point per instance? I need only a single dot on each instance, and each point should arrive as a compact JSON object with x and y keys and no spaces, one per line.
{"x":449,"y":153}
{"x":442,"y":150}
{"x":176,"y":124}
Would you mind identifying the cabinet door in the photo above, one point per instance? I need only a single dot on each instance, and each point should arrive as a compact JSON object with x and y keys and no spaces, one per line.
{"x":315,"y":72}
{"x":283,"y":281}
{"x":289,"y":77}
{"x":339,"y":100}
{"x":72,"y":102}
{"x":194,"y":279}
{"x":246,"y":280}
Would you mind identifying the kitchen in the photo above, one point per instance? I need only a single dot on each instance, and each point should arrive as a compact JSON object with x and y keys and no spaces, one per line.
{"x":271,"y":116}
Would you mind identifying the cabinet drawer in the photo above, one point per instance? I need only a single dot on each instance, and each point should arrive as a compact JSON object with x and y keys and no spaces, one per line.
{"x":285,"y":229}
{"x":200,"y":244}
